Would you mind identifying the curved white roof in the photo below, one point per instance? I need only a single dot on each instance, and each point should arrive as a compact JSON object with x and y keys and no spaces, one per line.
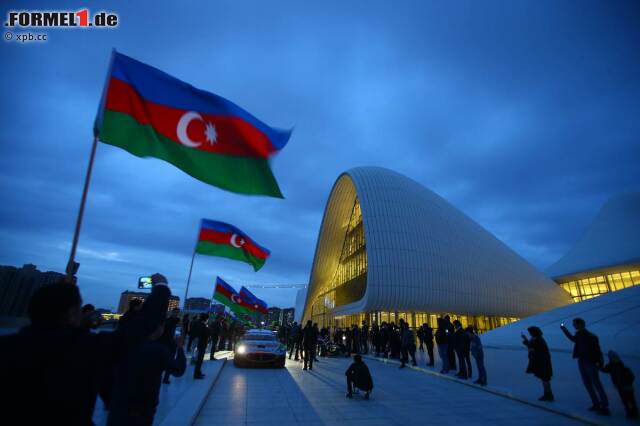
{"x":614,"y":317}
{"x":424,"y":255}
{"x":612,"y":239}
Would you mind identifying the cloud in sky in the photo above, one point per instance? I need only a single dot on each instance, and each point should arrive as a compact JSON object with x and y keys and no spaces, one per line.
{"x":523,"y":115}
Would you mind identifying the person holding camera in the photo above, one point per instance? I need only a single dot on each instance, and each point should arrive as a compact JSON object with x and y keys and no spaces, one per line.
{"x":586,"y":350}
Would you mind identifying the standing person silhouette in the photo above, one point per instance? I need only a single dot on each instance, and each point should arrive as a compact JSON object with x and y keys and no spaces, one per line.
{"x":427,"y":335}
{"x":462,"y":346}
{"x":539,"y":360}
{"x":451,"y":348}
{"x":309,"y":342}
{"x":478,"y":354}
{"x":586,"y":350}
{"x":442,"y":341}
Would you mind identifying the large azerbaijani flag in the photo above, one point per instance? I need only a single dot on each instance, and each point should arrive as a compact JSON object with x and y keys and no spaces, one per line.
{"x":152,"y":114}
{"x":226,"y":295}
{"x":221,"y":239}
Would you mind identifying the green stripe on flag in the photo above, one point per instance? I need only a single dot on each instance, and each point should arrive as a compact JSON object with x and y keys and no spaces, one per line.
{"x":245,"y":175}
{"x":225,"y":250}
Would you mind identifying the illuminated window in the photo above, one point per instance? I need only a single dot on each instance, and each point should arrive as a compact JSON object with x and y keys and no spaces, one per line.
{"x":597,"y":285}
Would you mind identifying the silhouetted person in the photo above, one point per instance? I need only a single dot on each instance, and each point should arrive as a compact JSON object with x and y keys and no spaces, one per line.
{"x":168,"y":338}
{"x":309,"y":342}
{"x":407,"y":344}
{"x":186,"y":321}
{"x":296,"y":340}
{"x":462,"y":346}
{"x":375,"y":339}
{"x":451,"y":348}
{"x":539,"y":360}
{"x":315,"y":351}
{"x":90,"y":319}
{"x":478,"y":354}
{"x":442,"y":341}
{"x":134,"y":308}
{"x":193,"y":328}
{"x":365,"y":338}
{"x":356,"y":339}
{"x":586,"y":350}
{"x":202,"y":334}
{"x":427,"y":337}
{"x":395,"y":342}
{"x":52,"y":370}
{"x":214,"y":334}
{"x":142,"y":360}
{"x":385,"y":338}
{"x":358,"y":376}
{"x":138,"y":385}
{"x":622,"y":378}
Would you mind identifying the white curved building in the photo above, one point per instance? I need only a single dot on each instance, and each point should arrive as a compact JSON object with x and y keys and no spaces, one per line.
{"x":389,"y":248}
{"x":607,"y":257}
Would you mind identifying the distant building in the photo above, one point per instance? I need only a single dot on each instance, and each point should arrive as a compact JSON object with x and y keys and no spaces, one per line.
{"x":273,"y":316}
{"x":18,"y":284}
{"x":607,"y":257}
{"x":217,"y":309}
{"x":278,"y":316}
{"x":287,"y":316}
{"x":126,"y":296}
{"x":197,"y":304}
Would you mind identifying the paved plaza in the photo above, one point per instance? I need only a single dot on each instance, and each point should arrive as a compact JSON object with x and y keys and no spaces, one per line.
{"x":292,"y":396}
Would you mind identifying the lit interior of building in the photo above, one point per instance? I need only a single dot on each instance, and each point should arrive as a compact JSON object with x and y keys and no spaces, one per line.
{"x":598,"y":284}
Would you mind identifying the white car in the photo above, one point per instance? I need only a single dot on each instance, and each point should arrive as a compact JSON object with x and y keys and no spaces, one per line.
{"x":259,"y":348}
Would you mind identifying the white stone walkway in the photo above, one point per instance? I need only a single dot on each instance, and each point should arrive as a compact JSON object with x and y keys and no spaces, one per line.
{"x":291,"y":396}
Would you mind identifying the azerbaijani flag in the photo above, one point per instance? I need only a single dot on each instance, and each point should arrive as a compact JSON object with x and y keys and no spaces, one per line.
{"x":152,"y":114}
{"x":222,"y":239}
{"x":259,"y":304}
{"x":226,"y":295}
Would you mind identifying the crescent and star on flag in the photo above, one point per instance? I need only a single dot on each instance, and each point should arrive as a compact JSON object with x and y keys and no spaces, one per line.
{"x":237,"y":241}
{"x":210,"y":132}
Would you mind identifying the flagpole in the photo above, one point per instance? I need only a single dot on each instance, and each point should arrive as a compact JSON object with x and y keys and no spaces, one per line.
{"x":186,"y":290}
{"x":71,"y":267}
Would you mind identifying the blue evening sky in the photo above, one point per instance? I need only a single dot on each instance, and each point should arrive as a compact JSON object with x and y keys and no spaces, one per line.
{"x":523,"y":114}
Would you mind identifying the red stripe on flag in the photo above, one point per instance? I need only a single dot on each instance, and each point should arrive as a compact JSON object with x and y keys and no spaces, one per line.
{"x":223,"y":290}
{"x":225,"y":238}
{"x":234,"y":135}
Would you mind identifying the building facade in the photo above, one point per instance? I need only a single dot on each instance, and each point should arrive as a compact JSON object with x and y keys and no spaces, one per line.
{"x":126,"y":296}
{"x":607,"y":257}
{"x":390,"y":249}
{"x":18,"y":284}
{"x":272,"y":316}
{"x":197,"y":304}
{"x":287,"y":315}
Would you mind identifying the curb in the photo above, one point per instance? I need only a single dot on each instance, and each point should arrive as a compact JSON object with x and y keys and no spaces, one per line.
{"x":195,"y":415}
{"x":507,"y":395}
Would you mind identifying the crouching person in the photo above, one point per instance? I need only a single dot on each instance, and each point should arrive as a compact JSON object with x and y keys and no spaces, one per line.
{"x":358,"y":376}
{"x":622,"y":379}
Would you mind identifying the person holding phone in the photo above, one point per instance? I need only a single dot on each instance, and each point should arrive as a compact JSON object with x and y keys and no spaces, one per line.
{"x":539,"y":360}
{"x":586,"y":350}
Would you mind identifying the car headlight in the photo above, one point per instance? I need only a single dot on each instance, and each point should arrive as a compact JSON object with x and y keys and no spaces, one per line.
{"x":242,"y":349}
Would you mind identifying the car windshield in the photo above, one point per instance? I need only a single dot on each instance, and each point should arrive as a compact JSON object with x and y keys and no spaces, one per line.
{"x":260,"y":337}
